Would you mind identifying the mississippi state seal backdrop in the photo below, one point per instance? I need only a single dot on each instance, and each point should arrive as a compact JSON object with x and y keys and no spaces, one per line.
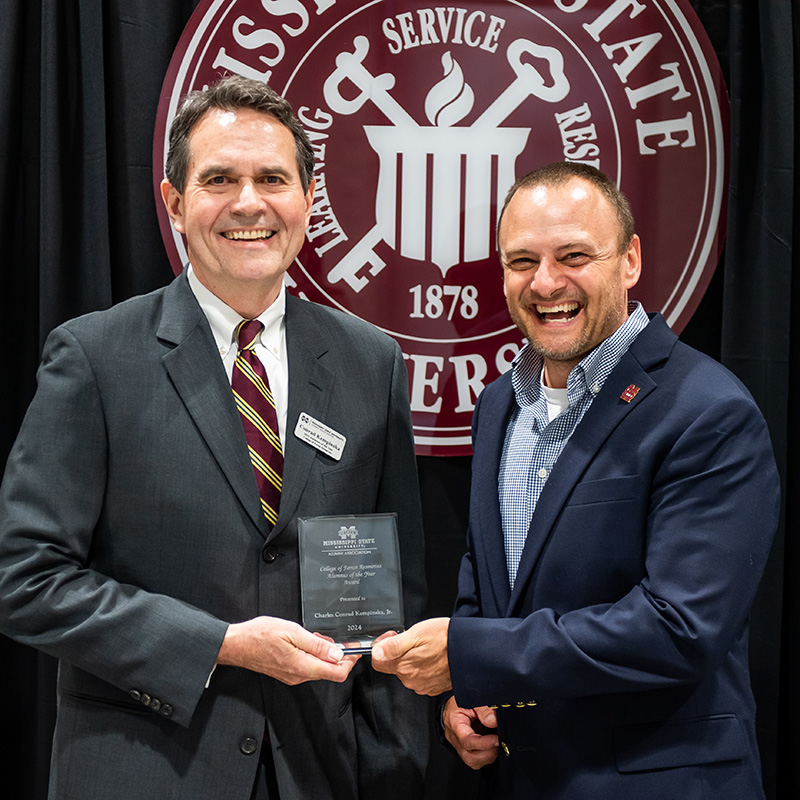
{"x":422,"y":116}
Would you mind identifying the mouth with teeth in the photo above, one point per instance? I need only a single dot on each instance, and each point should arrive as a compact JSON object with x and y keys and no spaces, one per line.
{"x":248,"y":236}
{"x":560,"y":313}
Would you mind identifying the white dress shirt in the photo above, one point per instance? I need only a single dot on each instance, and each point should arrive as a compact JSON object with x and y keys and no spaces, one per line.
{"x":270,"y":349}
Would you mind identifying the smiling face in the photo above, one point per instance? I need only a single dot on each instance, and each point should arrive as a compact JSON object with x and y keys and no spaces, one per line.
{"x":243,"y":210}
{"x":566,"y":282}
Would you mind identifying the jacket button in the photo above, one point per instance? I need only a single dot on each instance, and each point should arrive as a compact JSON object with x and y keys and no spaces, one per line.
{"x":155,"y":704}
{"x":145,"y":698}
{"x":269,"y":554}
{"x":166,"y":709}
{"x":135,"y":694}
{"x":248,"y":745}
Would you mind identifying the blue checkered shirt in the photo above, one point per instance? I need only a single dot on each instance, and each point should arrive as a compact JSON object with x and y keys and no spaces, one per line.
{"x":533,"y":443}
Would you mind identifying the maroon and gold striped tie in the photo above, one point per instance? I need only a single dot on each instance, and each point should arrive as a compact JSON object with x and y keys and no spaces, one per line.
{"x":257,"y":409}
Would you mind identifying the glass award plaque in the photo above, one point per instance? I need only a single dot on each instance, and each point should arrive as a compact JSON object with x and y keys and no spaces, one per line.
{"x":350,"y":581}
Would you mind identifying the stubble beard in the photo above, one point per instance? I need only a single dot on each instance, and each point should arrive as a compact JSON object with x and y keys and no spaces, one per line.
{"x":574,"y":351}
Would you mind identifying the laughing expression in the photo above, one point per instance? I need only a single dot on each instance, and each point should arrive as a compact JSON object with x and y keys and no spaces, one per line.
{"x":243,"y":210}
{"x":566,"y":282}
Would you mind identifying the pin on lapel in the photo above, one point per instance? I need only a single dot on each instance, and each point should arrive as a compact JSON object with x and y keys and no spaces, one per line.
{"x":629,"y":393}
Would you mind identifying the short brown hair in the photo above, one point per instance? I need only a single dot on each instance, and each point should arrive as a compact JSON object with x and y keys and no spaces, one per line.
{"x":229,"y":94}
{"x":558,"y":173}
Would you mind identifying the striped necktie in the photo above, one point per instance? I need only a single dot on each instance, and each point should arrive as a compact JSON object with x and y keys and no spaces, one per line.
{"x":257,"y":409}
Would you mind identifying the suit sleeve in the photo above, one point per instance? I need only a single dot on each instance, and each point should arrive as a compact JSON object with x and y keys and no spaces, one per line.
{"x":713,"y":508}
{"x":51,"y":507}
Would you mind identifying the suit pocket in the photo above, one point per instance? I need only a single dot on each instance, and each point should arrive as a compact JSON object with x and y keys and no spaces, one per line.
{"x":351,"y":478}
{"x":643,"y":748}
{"x":606,"y":490}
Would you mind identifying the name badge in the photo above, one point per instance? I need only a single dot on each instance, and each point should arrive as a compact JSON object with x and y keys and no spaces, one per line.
{"x":325,"y":439}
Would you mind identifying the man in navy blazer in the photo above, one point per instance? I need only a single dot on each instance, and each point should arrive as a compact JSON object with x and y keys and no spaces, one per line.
{"x":623,"y":502}
{"x":133,"y":545}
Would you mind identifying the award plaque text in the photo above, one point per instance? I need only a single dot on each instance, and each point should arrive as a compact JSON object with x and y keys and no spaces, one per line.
{"x":351,"y":585}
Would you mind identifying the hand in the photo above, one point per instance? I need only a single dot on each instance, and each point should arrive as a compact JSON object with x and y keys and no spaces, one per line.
{"x":418,"y":656}
{"x":284,"y":650}
{"x":466,"y":730}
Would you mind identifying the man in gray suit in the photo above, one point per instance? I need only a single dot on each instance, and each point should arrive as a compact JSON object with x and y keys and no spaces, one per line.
{"x":133,"y":544}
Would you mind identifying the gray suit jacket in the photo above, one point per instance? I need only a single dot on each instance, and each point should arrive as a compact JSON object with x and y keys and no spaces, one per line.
{"x":131,"y":535}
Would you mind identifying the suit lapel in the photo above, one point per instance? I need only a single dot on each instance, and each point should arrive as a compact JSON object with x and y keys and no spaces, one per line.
{"x":606,"y":412}
{"x":494,"y":415}
{"x":196,"y":371}
{"x":310,"y":385}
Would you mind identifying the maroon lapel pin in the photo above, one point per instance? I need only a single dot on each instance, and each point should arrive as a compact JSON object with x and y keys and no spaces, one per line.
{"x":629,"y":393}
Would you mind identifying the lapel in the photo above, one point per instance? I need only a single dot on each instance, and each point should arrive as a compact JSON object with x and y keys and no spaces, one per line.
{"x":608,"y":410}
{"x":310,"y":390}
{"x":492,"y":414}
{"x":196,"y":371}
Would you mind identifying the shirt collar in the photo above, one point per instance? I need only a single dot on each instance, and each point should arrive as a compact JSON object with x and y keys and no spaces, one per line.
{"x":224,"y":320}
{"x":593,"y":369}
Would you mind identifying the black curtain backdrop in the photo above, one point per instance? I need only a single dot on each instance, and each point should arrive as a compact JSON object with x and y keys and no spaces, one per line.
{"x":79,"y":87}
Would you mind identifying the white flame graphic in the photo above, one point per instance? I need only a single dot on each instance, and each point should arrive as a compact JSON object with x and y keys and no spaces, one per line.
{"x":450,"y":100}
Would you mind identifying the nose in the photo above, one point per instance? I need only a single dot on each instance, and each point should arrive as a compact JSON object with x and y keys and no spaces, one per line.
{"x":548,"y":278}
{"x":248,"y":201}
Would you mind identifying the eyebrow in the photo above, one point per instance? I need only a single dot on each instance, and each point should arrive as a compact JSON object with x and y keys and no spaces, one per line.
{"x":209,"y":172}
{"x":514,"y":253}
{"x":567,"y":247}
{"x":213,"y":170}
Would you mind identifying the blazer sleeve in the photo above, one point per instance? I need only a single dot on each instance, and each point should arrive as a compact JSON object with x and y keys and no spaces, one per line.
{"x":708,"y":524}
{"x":51,"y":505}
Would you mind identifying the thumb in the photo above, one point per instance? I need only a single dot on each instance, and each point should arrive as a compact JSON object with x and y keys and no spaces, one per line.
{"x":318,"y":646}
{"x":486,"y":716}
{"x":391,"y":648}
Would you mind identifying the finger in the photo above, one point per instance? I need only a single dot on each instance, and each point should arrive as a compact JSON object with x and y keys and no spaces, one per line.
{"x":475,"y":754}
{"x":474,"y":750}
{"x":486,"y":716}
{"x":478,"y":742}
{"x":392,"y":648}
{"x":462,"y":728}
{"x":479,"y":760}
{"x":385,"y":636}
{"x":311,"y":668}
{"x":317,"y":646}
{"x":381,"y":665}
{"x":469,"y":738}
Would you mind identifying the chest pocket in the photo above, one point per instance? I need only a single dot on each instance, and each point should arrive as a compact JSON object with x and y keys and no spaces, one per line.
{"x":351,"y":478}
{"x":605,"y":490}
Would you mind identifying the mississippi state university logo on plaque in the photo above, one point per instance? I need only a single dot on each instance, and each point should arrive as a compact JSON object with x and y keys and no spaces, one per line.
{"x":423,"y":115}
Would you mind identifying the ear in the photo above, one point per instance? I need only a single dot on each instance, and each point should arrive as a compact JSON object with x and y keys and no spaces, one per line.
{"x":173,"y":202}
{"x":632,"y":263}
{"x":309,"y":199}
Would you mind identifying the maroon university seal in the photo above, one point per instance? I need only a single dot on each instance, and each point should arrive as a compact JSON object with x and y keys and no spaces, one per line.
{"x":423,"y":115}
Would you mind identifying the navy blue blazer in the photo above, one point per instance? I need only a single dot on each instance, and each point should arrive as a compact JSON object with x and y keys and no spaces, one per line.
{"x":628,"y":622}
